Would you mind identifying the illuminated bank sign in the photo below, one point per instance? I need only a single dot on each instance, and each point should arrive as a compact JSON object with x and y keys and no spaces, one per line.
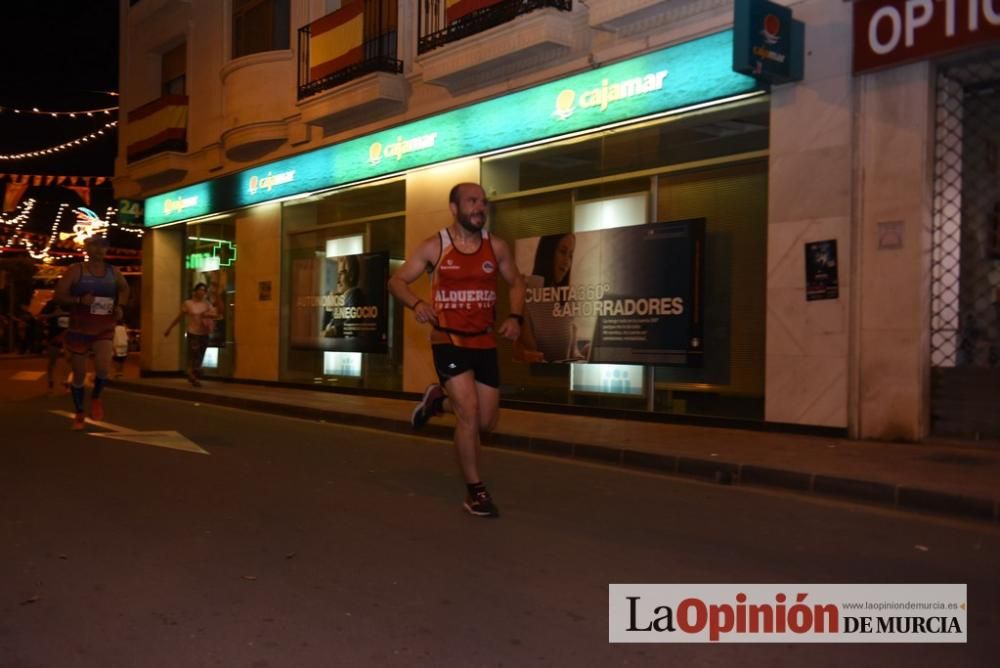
{"x":269,"y":181}
{"x":600,"y":97}
{"x":893,"y":32}
{"x":680,"y":76}
{"x":180,"y":204}
{"x":768,"y":43}
{"x":399,"y":148}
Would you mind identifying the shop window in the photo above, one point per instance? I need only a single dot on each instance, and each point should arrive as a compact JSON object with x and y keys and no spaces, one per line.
{"x":260,"y":25}
{"x":211,"y":257}
{"x":339,"y":250}
{"x":680,"y":170}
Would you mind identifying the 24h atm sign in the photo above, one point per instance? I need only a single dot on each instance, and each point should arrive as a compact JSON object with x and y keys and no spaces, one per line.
{"x":892,"y":32}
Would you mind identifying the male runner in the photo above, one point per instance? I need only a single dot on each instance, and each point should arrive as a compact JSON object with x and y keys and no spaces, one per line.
{"x":463,"y":260}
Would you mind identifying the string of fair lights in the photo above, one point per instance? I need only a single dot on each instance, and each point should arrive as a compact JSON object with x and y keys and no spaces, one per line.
{"x":72,"y":113}
{"x":88,"y":223}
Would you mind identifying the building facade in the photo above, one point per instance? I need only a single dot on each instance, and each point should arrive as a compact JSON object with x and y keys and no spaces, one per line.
{"x":273,"y":139}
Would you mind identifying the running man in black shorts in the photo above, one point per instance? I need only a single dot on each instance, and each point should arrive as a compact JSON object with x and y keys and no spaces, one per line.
{"x":464,"y":261}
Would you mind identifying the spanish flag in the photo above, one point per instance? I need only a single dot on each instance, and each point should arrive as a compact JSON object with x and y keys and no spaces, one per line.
{"x":158,"y":126}
{"x":337,"y":40}
{"x":456,"y":9}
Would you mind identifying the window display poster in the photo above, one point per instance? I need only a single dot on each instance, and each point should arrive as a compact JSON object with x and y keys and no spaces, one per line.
{"x":821,"y":270}
{"x":628,"y":295}
{"x":340,"y":303}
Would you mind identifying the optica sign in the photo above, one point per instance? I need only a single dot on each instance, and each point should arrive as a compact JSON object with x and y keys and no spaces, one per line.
{"x":892,"y":32}
{"x":692,"y":73}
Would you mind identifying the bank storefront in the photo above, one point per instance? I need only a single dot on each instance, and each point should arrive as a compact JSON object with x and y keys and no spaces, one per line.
{"x":635,"y":196}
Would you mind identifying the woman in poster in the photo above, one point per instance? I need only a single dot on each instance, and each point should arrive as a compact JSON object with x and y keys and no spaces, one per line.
{"x":544,"y":338}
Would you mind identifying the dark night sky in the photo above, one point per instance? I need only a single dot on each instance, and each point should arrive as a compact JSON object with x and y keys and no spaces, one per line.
{"x":58,"y":55}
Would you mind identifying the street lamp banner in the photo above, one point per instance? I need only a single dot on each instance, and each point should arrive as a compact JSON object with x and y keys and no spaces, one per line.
{"x":677,"y":77}
{"x":893,"y":32}
{"x":340,"y":303}
{"x":626,"y":295}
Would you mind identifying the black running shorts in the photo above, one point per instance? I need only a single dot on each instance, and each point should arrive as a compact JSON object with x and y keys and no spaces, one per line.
{"x":450,"y":361}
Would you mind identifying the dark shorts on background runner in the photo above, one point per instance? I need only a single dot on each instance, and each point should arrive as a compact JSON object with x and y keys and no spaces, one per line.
{"x":197,"y":345}
{"x":450,"y":361}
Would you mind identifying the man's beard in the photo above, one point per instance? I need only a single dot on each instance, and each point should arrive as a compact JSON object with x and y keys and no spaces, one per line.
{"x":466,"y":222}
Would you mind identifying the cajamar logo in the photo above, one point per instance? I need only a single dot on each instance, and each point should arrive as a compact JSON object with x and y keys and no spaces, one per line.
{"x":607,"y":93}
{"x":400,"y":147}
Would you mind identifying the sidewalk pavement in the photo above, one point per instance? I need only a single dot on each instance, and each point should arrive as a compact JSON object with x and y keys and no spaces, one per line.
{"x":953,"y":478}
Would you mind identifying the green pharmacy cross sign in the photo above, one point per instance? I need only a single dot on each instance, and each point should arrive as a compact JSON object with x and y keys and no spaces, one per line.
{"x":223,"y":254}
{"x":680,"y":76}
{"x":229,"y":252}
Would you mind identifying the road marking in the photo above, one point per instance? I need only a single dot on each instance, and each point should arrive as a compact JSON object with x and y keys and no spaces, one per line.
{"x":28,"y":375}
{"x":159,"y":438}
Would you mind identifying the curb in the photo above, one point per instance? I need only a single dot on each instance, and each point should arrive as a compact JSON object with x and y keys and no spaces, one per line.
{"x":900,"y":497}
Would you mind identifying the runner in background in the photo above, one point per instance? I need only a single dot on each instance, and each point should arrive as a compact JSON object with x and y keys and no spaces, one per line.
{"x":95,"y":293}
{"x":119,"y":345}
{"x":55,"y":321}
{"x":198,"y":314}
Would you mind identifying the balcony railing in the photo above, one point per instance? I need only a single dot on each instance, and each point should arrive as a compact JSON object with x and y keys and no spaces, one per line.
{"x":440,"y":24}
{"x":353,"y":41}
{"x":160,"y":125}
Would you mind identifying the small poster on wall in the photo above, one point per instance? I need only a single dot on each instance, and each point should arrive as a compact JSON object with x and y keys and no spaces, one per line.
{"x":821,"y":270}
{"x":340,"y":303}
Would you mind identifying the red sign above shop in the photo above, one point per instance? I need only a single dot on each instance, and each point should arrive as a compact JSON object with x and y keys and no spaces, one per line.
{"x":892,"y":32}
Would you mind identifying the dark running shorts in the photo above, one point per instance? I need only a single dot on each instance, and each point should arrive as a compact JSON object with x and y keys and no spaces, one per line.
{"x":450,"y":361}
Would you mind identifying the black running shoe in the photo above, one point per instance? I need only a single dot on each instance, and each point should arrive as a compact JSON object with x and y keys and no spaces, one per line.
{"x":481,"y":504}
{"x":429,"y":406}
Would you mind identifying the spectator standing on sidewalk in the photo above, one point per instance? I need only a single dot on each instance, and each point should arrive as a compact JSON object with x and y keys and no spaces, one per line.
{"x":198,"y":316}
{"x":464,"y":261}
{"x":95,"y":292}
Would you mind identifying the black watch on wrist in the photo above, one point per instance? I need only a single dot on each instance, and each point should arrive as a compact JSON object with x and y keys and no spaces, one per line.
{"x":518,"y":317}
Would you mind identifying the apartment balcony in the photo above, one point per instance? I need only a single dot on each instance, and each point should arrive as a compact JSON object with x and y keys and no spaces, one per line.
{"x":629,"y":17}
{"x":156,"y":141}
{"x":257,"y":99}
{"x":348,"y":69}
{"x":512,"y":36}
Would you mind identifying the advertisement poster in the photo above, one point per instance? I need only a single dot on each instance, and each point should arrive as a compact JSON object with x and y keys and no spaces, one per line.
{"x":341,"y":303}
{"x":821,"y":270}
{"x":628,"y":295}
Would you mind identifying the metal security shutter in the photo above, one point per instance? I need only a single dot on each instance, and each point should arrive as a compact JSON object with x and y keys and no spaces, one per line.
{"x":965,"y":289}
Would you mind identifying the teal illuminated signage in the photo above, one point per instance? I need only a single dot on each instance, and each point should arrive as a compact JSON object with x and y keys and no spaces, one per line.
{"x":182,"y":204}
{"x":691,"y":73}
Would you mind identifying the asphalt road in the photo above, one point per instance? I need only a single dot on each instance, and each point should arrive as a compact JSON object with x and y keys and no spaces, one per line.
{"x":302,"y":544}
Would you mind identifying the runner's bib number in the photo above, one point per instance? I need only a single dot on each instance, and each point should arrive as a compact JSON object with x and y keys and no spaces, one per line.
{"x":102,"y":306}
